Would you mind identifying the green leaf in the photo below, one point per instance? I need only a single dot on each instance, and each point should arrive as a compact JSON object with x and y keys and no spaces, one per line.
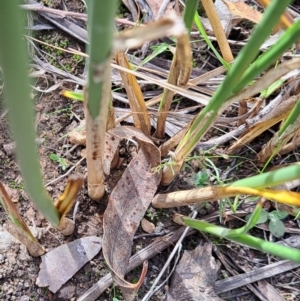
{"x":278,"y":214}
{"x":54,"y":157}
{"x":262,"y":218}
{"x":200,"y":178}
{"x":276,"y":227}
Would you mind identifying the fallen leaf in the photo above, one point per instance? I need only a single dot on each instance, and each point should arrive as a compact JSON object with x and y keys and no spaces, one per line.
{"x":60,"y":264}
{"x":127,"y":205}
{"x":244,"y":11}
{"x":195,"y":276}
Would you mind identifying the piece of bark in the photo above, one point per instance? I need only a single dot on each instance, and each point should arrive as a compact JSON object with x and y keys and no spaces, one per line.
{"x":195,"y":276}
{"x":269,"y":291}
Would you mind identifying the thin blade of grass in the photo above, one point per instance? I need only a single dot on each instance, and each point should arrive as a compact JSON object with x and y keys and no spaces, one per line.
{"x":244,"y":239}
{"x":13,"y":60}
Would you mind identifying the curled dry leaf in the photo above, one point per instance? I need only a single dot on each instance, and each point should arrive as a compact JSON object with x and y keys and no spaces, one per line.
{"x":65,"y":202}
{"x":127,"y":206}
{"x":171,"y":25}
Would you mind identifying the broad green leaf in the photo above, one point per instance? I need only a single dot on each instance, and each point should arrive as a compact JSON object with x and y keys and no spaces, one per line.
{"x":262,"y":218}
{"x":276,"y":227}
{"x":278,"y":214}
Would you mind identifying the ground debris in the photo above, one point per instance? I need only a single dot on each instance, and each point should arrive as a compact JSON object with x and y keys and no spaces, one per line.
{"x":194,"y":276}
{"x":60,"y":264}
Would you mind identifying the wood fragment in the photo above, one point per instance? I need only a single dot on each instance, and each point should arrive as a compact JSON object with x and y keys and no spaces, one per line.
{"x":268,"y":271}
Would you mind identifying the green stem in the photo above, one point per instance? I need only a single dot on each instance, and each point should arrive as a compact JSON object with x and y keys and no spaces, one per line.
{"x":270,"y":178}
{"x":101,"y":24}
{"x":245,"y":239}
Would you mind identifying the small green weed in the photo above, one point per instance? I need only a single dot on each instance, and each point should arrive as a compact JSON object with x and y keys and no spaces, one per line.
{"x":201,"y":178}
{"x":15,"y":185}
{"x":63,"y":163}
{"x":276,"y":226}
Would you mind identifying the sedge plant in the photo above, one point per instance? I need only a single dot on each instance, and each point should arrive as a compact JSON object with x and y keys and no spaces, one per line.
{"x":238,"y":76}
{"x":14,"y":64}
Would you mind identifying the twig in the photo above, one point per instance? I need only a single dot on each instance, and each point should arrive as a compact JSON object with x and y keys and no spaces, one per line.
{"x":65,"y":174}
{"x":175,"y":250}
{"x":162,"y":8}
{"x":39,"y":7}
{"x":268,"y":271}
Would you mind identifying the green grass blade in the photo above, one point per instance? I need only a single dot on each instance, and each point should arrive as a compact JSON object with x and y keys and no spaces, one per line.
{"x":202,"y":31}
{"x":292,"y":118}
{"x":270,"y":178}
{"x":245,"y":239}
{"x":14,"y":63}
{"x":245,"y":57}
{"x":288,"y":38}
{"x":189,"y":13}
{"x":254,"y":217}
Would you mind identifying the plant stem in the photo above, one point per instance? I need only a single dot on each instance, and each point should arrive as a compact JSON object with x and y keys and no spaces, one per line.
{"x":98,"y":91}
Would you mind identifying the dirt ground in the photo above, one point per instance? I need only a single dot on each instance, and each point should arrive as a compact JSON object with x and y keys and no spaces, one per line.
{"x":55,"y":117}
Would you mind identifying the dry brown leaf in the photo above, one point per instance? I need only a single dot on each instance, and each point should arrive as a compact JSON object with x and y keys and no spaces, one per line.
{"x":17,"y":227}
{"x":244,"y":11}
{"x":61,"y":263}
{"x":278,"y":142}
{"x":278,"y":114}
{"x":67,"y":199}
{"x":195,"y":276}
{"x":135,"y":95}
{"x":155,"y":6}
{"x":253,"y":132}
{"x":127,"y":206}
